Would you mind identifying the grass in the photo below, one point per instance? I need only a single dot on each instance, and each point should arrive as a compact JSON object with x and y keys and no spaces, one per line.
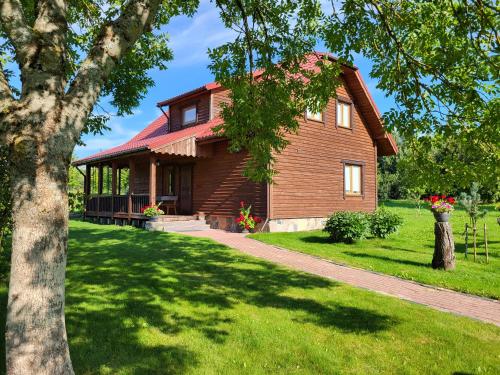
{"x":156,"y":303}
{"x":408,"y":253}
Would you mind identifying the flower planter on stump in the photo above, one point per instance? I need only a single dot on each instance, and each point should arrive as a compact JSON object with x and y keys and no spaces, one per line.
{"x":444,"y":246}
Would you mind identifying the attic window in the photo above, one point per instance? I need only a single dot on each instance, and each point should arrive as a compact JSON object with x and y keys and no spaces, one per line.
{"x":315,"y":116}
{"x":189,"y":115}
{"x":343,"y":114}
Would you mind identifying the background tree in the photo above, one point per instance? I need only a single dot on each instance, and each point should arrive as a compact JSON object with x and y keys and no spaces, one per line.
{"x":438,"y":59}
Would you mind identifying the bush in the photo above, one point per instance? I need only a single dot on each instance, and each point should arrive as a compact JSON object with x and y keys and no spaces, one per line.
{"x":383,"y":223}
{"x":347,"y":226}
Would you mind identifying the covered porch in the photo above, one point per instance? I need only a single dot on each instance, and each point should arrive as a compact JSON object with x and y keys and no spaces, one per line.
{"x":120,"y":188}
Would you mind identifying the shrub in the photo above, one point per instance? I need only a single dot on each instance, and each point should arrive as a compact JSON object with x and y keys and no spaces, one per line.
{"x":384,"y":222}
{"x":347,"y":226}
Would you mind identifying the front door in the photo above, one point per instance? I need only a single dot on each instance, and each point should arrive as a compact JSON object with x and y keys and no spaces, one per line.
{"x":186,"y":193}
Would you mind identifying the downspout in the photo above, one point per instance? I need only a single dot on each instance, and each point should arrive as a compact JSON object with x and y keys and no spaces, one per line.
{"x":166,"y":116}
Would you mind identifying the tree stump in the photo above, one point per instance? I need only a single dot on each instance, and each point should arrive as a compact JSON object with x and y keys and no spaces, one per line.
{"x":444,"y":247}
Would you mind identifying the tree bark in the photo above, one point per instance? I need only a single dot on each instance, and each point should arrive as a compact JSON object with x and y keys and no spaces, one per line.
{"x":36,"y":341}
{"x":444,"y":247}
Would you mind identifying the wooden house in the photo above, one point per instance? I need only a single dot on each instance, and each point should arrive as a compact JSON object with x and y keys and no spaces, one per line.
{"x":329,"y":165}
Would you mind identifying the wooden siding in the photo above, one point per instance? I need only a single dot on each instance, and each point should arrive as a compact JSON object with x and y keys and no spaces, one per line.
{"x":202,"y":103}
{"x":219,"y":96}
{"x":310,"y":182}
{"x":219,"y":186}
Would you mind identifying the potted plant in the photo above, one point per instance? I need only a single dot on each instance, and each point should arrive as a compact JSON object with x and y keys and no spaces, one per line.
{"x":152,"y":211}
{"x":246,"y":220}
{"x":441,"y":207}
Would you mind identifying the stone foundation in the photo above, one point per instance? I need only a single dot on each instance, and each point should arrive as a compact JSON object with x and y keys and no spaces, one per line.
{"x":276,"y":225}
{"x":295,"y":225}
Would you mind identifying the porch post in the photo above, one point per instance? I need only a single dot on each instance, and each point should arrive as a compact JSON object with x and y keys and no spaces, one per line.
{"x":152,"y":180}
{"x":86,"y":188}
{"x":99,"y":190}
{"x":113,"y":186}
{"x":131,"y":185}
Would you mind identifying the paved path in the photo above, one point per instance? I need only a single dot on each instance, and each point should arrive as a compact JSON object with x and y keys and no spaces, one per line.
{"x":441,"y":299}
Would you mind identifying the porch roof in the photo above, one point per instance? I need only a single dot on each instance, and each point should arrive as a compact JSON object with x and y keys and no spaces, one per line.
{"x":155,"y":138}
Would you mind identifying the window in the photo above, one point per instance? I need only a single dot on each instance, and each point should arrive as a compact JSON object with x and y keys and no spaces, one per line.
{"x":352,"y":179}
{"x":168,"y":183}
{"x":316,"y":116}
{"x":343,"y":114}
{"x":189,"y":115}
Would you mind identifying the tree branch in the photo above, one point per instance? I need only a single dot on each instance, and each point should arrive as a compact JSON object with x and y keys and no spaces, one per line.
{"x":17,"y":30}
{"x":115,"y":39}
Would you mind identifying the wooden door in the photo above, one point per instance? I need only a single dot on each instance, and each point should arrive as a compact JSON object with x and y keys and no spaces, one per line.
{"x":186,"y":191}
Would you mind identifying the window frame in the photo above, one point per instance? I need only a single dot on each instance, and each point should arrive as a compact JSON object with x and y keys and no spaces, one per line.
{"x":308,"y":118}
{"x":347,"y":103}
{"x":353,"y":163}
{"x":184,"y":110}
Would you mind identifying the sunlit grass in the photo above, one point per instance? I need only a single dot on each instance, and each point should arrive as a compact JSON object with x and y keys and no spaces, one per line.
{"x":158,"y":303}
{"x":408,"y":253}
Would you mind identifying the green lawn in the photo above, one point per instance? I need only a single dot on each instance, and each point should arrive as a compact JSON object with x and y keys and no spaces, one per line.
{"x":408,"y":253}
{"x":157,"y":303}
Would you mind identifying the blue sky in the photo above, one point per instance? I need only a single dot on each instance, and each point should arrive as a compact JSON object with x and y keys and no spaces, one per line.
{"x":189,"y":39}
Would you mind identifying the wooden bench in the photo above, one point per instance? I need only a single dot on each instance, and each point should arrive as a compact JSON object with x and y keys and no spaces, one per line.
{"x":167,"y":202}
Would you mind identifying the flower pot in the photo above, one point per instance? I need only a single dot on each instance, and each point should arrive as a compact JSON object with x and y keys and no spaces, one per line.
{"x":245,"y":231}
{"x":442,"y":217}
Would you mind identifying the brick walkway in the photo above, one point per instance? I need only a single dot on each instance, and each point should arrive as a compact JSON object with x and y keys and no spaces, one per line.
{"x":441,"y":299}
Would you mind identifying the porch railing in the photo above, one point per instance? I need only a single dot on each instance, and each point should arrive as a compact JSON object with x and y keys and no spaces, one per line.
{"x":112,"y":204}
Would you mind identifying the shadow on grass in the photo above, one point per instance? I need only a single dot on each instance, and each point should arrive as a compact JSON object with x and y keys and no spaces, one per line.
{"x":384,"y":258}
{"x":124,"y":284}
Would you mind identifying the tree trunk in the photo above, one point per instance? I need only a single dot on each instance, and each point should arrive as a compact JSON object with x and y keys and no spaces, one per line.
{"x":444,"y":247}
{"x":36,"y":341}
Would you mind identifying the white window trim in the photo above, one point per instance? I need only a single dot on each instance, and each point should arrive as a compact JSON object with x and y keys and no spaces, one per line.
{"x":341,"y":107}
{"x":318,"y":116}
{"x":185,"y":109}
{"x":351,"y":167}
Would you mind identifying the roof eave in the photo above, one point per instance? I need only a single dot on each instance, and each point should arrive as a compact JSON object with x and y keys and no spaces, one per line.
{"x":113,"y":155}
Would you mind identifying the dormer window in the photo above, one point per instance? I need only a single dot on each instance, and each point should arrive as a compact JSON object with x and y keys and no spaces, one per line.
{"x":344,"y":114}
{"x":189,"y":115}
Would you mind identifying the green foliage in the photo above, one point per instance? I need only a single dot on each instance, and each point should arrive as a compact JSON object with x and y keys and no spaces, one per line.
{"x":75,"y":201}
{"x":347,"y":226}
{"x":152,"y":211}
{"x":384,"y":222}
{"x":471,"y":203}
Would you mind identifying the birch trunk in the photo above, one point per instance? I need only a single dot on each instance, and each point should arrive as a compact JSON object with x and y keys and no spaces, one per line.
{"x":36,"y":341}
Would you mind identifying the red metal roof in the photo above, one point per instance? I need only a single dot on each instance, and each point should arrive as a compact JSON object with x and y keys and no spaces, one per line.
{"x":155,"y":135}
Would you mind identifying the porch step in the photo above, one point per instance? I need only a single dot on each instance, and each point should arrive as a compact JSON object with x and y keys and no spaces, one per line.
{"x":170,"y":218}
{"x":177,"y":226}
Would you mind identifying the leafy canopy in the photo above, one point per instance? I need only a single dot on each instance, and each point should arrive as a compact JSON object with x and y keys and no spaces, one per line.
{"x":438,"y":59}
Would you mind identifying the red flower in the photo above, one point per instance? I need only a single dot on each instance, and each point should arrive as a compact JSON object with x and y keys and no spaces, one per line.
{"x":247,"y":226}
{"x":426,"y":199}
{"x":434,"y":198}
{"x":257,"y":219}
{"x":242,"y":204}
{"x":451,"y":200}
{"x":443,"y":196}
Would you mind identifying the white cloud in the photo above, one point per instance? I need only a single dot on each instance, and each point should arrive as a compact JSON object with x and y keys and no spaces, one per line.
{"x":118,"y":135}
{"x":190,"y":38}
